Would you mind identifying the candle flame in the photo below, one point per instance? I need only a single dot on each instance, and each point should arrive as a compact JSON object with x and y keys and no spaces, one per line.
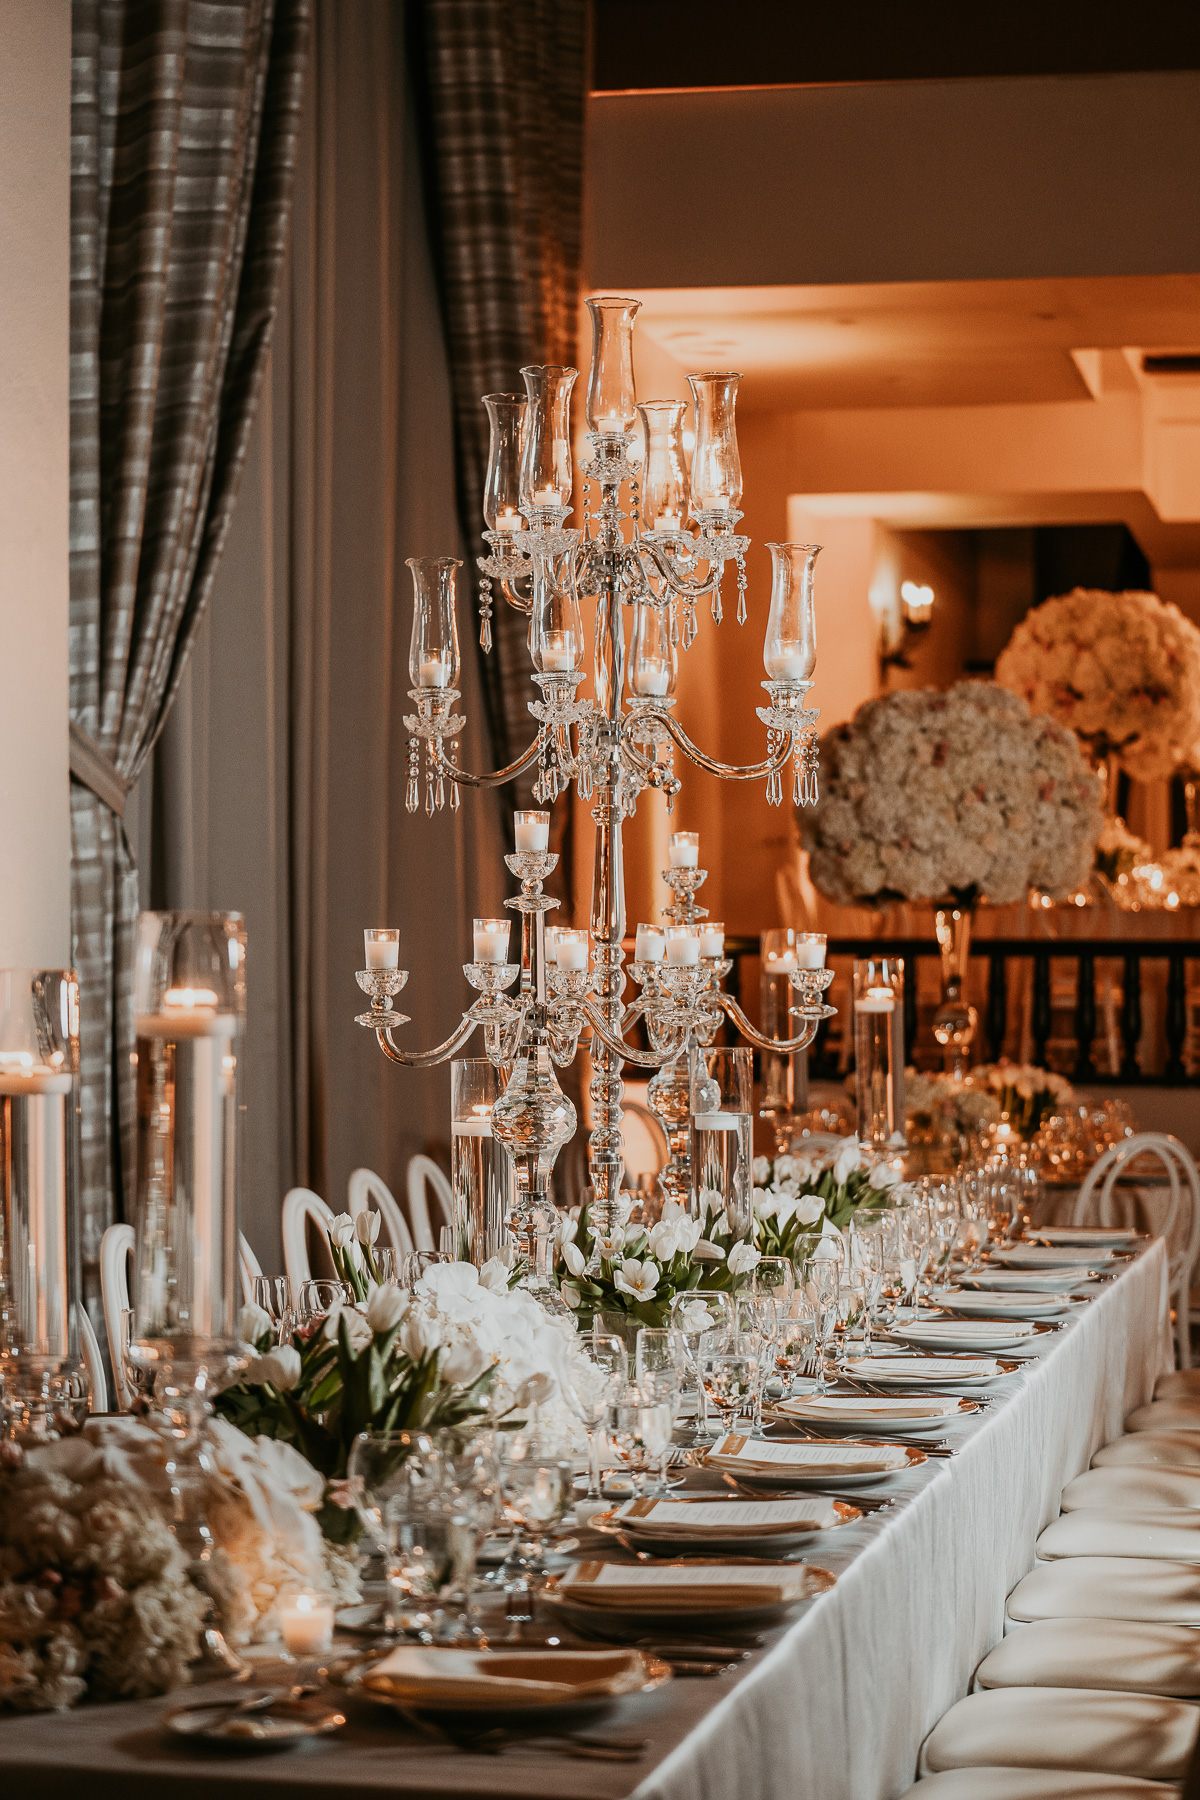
{"x":185,"y":997}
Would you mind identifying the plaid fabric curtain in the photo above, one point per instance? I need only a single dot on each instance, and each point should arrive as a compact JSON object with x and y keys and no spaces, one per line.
{"x":506,"y":86}
{"x":184,"y":126}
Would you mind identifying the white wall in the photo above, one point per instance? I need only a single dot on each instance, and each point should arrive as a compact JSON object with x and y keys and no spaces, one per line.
{"x":35,"y":147}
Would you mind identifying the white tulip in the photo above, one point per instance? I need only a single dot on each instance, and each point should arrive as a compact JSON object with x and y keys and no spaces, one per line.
{"x":385,"y":1307}
{"x":366,"y":1226}
{"x":743,"y":1258}
{"x":341,"y":1230}
{"x":848,"y":1158}
{"x":711,"y":1201}
{"x":706,"y":1251}
{"x":573,"y":1257}
{"x":280,"y":1367}
{"x":637,"y":1279}
{"x":463,"y":1363}
{"x":571,"y":1295}
{"x":766,"y":1204}
{"x":633,"y":1233}
{"x":357,"y":1329}
{"x":568,"y":1230}
{"x":494,"y":1276}
{"x":809,"y":1208}
{"x":761,"y":1169}
{"x":690,"y":1233}
{"x":884,"y":1176}
{"x":253,"y":1324}
{"x":419,"y":1335}
{"x":695,"y":1316}
{"x":664,"y":1239}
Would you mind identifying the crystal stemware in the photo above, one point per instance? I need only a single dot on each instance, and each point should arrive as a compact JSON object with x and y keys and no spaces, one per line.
{"x":695,"y":1316}
{"x":730,"y":1379}
{"x":536,"y":1484}
{"x":393,"y":1476}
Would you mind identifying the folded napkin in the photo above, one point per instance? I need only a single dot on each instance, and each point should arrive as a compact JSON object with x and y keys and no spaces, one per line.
{"x":982,"y":1329}
{"x":503,"y":1678}
{"x":682,"y":1587}
{"x":1027,"y":1281}
{"x":924,"y":1368}
{"x":727,"y":1518}
{"x":767,"y":1456}
{"x":1048,"y":1256}
{"x":1084,"y":1234}
{"x":838,"y":1406}
{"x":1002,"y":1301}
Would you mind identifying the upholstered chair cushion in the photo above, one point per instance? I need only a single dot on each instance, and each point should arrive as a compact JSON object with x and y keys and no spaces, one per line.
{"x":1036,"y":1784}
{"x":1066,"y":1728}
{"x":1145,"y":1449}
{"x":1134,"y":1656}
{"x":1109,"y":1587}
{"x":1178,"y":1384}
{"x":1167,"y":1536}
{"x":1166,"y":1415}
{"x":1152,"y":1489}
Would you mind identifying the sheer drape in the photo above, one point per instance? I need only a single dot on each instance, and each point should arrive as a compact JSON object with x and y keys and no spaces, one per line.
{"x":281,"y":773}
{"x":183,"y":140}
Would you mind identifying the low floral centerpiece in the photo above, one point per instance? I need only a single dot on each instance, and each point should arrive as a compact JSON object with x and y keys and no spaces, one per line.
{"x":1026,"y":1095}
{"x":942,"y":1103}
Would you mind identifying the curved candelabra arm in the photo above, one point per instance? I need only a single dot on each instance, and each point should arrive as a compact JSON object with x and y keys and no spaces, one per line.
{"x":679,"y":585}
{"x":727,"y":771}
{"x":497,"y":778}
{"x":781,"y":1046}
{"x":522,"y":602}
{"x":642,"y":1059}
{"x":426,"y":1059}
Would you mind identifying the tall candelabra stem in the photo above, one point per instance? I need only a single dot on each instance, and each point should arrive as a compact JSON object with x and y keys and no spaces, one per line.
{"x":605,"y":1160}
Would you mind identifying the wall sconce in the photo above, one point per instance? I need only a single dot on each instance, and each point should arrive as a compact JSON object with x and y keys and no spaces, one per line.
{"x":916,"y":611}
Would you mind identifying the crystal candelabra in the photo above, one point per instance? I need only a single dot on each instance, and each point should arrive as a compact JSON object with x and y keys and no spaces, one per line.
{"x":613,"y":747}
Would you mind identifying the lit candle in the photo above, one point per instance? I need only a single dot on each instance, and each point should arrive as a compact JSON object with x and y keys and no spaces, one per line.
{"x":810,"y":950}
{"x":533,"y":830}
{"x":876,"y":1000}
{"x":782,"y":959}
{"x":21,"y":1072}
{"x":667,"y":520}
{"x":382,"y":943}
{"x":558,"y":653}
{"x":553,"y":933}
{"x":712,"y":939}
{"x":491,"y":940}
{"x":434,"y":672}
{"x":788,"y":665}
{"x":610,"y":425}
{"x":547,"y":496}
{"x":651,"y":676}
{"x":684,"y":849}
{"x":478,"y":1125}
{"x":651,"y":944}
{"x":683,"y":946}
{"x":572,"y":950}
{"x":306,"y":1623}
{"x":508,"y":520}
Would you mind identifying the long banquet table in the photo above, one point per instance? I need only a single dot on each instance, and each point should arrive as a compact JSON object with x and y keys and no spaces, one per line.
{"x":833,"y":1708}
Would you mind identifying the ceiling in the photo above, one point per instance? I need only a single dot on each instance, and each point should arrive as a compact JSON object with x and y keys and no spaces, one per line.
{"x":947,"y":343}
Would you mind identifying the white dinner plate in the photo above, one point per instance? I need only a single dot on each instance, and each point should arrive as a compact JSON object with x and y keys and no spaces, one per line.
{"x":1100,"y":1235}
{"x":877,"y":1414}
{"x":969,"y":1334}
{"x":824,"y":1472}
{"x":775,"y":1543}
{"x":1008,"y":1305}
{"x":927,"y":1371}
{"x":1050,"y":1256}
{"x":1027,"y":1281}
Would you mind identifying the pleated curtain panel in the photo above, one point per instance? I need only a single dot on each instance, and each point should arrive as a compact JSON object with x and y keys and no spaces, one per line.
{"x":184,"y":129}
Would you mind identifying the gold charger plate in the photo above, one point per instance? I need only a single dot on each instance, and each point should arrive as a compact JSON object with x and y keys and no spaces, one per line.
{"x":644,"y":1673}
{"x":239,"y":1726}
{"x":675,"y":1548}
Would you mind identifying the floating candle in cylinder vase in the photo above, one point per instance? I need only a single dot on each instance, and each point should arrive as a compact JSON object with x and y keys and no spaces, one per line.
{"x":306,"y":1623}
{"x":684,"y":849}
{"x":382,"y":944}
{"x":683,"y":946}
{"x":651,"y":944}
{"x":532,"y":829}
{"x":491,"y":940}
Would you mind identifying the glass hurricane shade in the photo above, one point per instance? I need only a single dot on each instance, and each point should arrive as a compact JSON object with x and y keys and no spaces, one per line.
{"x":716,"y":465}
{"x":555,"y":623}
{"x":665,"y":485}
{"x":502,"y":483}
{"x":546,"y":454}
{"x":652,"y":661}
{"x":790,"y":644}
{"x":433,"y":649}
{"x":611,"y":394}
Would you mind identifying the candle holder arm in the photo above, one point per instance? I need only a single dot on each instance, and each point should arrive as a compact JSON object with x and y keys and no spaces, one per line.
{"x":497,"y":777}
{"x":726,"y":771}
{"x":680,"y":586}
{"x":427,"y":1059}
{"x":523,"y":603}
{"x":642,"y":1059}
{"x":781,"y":1046}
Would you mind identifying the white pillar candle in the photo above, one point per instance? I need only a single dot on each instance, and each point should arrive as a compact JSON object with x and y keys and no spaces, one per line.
{"x":787,"y":665}
{"x":781,"y":959}
{"x":491,"y":940}
{"x":651,"y":677}
{"x":651,"y":944}
{"x":508,"y":520}
{"x":382,"y":945}
{"x":23,"y":1073}
{"x":712,"y":939}
{"x":572,"y":950}
{"x":876,"y":1000}
{"x":667,"y":520}
{"x":558,"y":653}
{"x":533,"y":830}
{"x":553,"y":933}
{"x":306,"y":1623}
{"x":683,"y":947}
{"x":683,"y":848}
{"x":810,"y":950}
{"x":546,"y":497}
{"x":434,"y":672}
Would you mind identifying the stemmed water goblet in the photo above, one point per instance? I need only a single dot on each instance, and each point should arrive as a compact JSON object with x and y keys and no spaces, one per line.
{"x":696,"y":1316}
{"x":824,"y":1290}
{"x":589,"y":1392}
{"x":660,"y":1394}
{"x":758,"y":1330}
{"x":796,"y":1341}
{"x":775,"y":1277}
{"x":535,"y":1481}
{"x":392,"y":1477}
{"x":730,"y":1380}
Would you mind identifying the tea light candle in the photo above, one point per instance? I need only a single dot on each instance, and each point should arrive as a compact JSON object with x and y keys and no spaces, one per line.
{"x":667,"y":520}
{"x":553,"y":933}
{"x":434,"y":672}
{"x":875,"y":1000}
{"x":533,"y":830}
{"x":306,"y":1623}
{"x":382,"y":943}
{"x":683,"y":947}
{"x":683,"y":847}
{"x":572,"y":950}
{"x":651,"y":676}
{"x":558,"y":653}
{"x":508,"y":520}
{"x":547,"y":496}
{"x":610,"y":425}
{"x":787,"y":665}
{"x":712,"y":939}
{"x":810,"y":950}
{"x":491,"y":940}
{"x":651,"y":944}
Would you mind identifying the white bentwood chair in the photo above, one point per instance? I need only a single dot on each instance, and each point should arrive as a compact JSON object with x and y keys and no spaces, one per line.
{"x":300,"y":1204}
{"x":424,"y":1174}
{"x":366,"y":1186}
{"x":1100,"y":1203}
{"x":93,"y":1362}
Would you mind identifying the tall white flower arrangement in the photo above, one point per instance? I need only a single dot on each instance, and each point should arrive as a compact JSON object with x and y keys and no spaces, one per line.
{"x":1122,"y":671}
{"x":929,"y":795}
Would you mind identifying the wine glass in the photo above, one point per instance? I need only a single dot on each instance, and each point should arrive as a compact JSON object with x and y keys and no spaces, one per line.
{"x":392,"y":1476}
{"x":824,"y":1290}
{"x":730,"y":1378}
{"x":589,"y":1392}
{"x":659,"y":1347}
{"x":657,"y":1412}
{"x":796,"y":1340}
{"x":416,"y":1262}
{"x":607,"y":1349}
{"x":774,"y":1276}
{"x":696,"y":1315}
{"x":436,"y":1555}
{"x":317,"y":1300}
{"x":758,"y":1329}
{"x":535,"y":1481}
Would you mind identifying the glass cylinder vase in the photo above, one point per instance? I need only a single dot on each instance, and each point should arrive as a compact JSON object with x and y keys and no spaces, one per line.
{"x":190,"y":999}
{"x":481,"y":1171}
{"x":784,"y":1093}
{"x":955,"y":1021}
{"x":723,"y":1134}
{"x":41,"y":1384}
{"x":879,"y":1051}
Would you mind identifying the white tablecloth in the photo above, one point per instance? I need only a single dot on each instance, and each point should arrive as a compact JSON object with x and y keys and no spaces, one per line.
{"x":838,"y":1710}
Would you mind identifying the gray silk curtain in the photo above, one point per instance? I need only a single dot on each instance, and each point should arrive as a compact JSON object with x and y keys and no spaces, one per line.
{"x":184,"y":120}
